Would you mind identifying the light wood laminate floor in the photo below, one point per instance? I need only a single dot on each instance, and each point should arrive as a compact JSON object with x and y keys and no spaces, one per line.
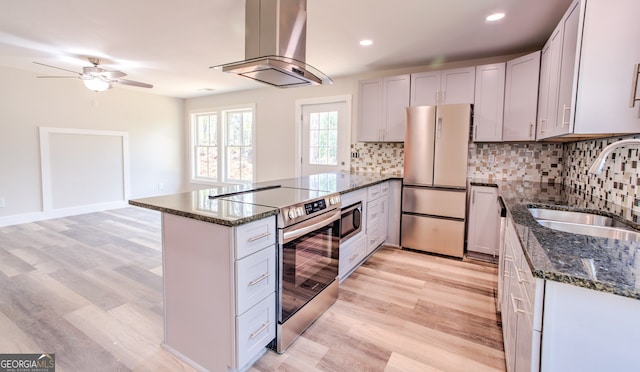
{"x":89,"y":288}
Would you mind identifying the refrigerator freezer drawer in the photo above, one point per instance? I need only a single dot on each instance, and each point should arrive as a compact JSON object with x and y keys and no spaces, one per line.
{"x":434,"y":201}
{"x":434,"y":235}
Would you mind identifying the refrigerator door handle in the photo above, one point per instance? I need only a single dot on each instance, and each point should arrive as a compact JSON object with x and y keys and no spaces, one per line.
{"x":439,"y":129}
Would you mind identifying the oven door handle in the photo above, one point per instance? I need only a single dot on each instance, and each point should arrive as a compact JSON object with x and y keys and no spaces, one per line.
{"x":310,"y":225}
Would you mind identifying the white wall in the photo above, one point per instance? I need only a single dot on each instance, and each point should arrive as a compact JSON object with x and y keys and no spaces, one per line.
{"x":154,"y":125}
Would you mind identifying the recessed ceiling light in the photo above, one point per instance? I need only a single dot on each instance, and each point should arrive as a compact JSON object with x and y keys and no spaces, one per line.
{"x":366,"y":42}
{"x":494,"y":17}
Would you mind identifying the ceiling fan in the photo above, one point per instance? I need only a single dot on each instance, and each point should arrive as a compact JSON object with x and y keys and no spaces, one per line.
{"x":97,"y":78}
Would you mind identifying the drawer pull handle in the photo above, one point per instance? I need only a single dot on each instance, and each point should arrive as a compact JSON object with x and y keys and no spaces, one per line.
{"x":515,"y":307}
{"x":520,"y":279}
{"x":259,"y":279}
{"x":260,"y":330}
{"x":508,"y":258}
{"x":353,"y":257}
{"x":258,"y":237}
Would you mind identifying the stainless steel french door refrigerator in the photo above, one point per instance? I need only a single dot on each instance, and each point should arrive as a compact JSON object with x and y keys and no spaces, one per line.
{"x":435,"y":178}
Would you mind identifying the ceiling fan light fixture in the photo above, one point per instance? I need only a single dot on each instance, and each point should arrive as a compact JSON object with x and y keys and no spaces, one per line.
{"x":495,"y":17}
{"x":96,"y":85}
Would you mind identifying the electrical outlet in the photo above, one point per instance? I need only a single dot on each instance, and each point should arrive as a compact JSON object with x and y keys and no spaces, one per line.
{"x":492,"y":158}
{"x":355,"y":155}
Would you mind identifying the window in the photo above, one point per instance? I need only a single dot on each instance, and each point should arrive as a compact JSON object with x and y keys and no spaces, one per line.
{"x":323,"y":138}
{"x":223,"y":145}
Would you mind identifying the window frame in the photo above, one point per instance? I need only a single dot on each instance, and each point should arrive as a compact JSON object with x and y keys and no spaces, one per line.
{"x":222,"y":145}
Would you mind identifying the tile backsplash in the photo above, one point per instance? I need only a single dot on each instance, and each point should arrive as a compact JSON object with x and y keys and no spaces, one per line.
{"x":535,"y":162}
{"x":538,"y":162}
{"x":378,"y":157}
{"x":617,"y":186}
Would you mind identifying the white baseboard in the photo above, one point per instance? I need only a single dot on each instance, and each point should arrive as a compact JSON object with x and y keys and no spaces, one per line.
{"x":62,"y":212}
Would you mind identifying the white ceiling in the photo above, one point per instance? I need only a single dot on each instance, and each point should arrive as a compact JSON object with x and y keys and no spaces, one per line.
{"x":171,"y":44}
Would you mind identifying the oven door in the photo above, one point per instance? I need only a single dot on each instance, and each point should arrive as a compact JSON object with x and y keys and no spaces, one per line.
{"x":309,"y":261}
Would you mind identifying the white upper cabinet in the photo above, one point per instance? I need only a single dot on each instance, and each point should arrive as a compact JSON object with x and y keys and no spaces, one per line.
{"x":382,"y":104}
{"x":569,"y":24}
{"x":609,"y":54}
{"x":370,"y":110}
{"x":489,"y":101}
{"x":443,"y":87}
{"x":395,"y":100}
{"x":521,"y":98}
{"x":458,"y":85}
{"x":555,"y":70}
{"x":424,"y":88}
{"x":587,"y":71}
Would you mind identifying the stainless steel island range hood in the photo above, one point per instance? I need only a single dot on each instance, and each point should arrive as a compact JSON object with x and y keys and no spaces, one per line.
{"x":275,"y":45}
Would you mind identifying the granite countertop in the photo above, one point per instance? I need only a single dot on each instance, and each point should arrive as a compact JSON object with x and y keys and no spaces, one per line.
{"x":602,"y":264}
{"x":198,"y":205}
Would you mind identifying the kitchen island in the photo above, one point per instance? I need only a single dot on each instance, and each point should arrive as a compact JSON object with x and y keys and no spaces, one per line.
{"x":220,"y":267}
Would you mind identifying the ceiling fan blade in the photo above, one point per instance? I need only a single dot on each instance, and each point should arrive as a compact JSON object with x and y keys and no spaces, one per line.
{"x":59,"y":68}
{"x":132,"y":83}
{"x":58,"y":77}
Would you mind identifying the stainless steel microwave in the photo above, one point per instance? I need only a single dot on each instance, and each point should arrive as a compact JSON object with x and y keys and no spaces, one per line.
{"x":351,"y":221}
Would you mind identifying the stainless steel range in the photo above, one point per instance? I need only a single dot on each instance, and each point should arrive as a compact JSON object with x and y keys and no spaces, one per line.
{"x":309,"y":239}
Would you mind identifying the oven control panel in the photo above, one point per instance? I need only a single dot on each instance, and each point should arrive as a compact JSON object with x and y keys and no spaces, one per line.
{"x":313,"y":207}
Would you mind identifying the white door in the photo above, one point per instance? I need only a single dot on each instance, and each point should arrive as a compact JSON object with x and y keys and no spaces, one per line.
{"x":325,"y":138}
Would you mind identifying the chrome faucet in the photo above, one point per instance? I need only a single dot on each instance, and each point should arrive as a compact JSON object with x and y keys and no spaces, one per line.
{"x":598,"y":165}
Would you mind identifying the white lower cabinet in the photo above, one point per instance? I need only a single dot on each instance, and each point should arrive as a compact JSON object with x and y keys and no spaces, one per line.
{"x":219,"y":291}
{"x":483,"y":226}
{"x":377,"y":215}
{"x":352,"y":253}
{"x":255,"y":278}
{"x":380,"y":202}
{"x":521,"y":307}
{"x":255,"y":329}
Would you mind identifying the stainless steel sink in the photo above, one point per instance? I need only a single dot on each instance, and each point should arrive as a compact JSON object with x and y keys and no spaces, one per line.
{"x":584,"y":223}
{"x":592,"y":230}
{"x":575,"y":217}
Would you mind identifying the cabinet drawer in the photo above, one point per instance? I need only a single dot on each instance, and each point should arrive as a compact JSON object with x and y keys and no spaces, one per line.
{"x":374,"y":212}
{"x":434,"y":202}
{"x":352,"y":253}
{"x":373,"y":240}
{"x":255,"y":329}
{"x":373,"y":192}
{"x":528,"y":281}
{"x":384,"y":189}
{"x":353,"y":197}
{"x":254,"y":236}
{"x":255,"y":278}
{"x":445,"y":236}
